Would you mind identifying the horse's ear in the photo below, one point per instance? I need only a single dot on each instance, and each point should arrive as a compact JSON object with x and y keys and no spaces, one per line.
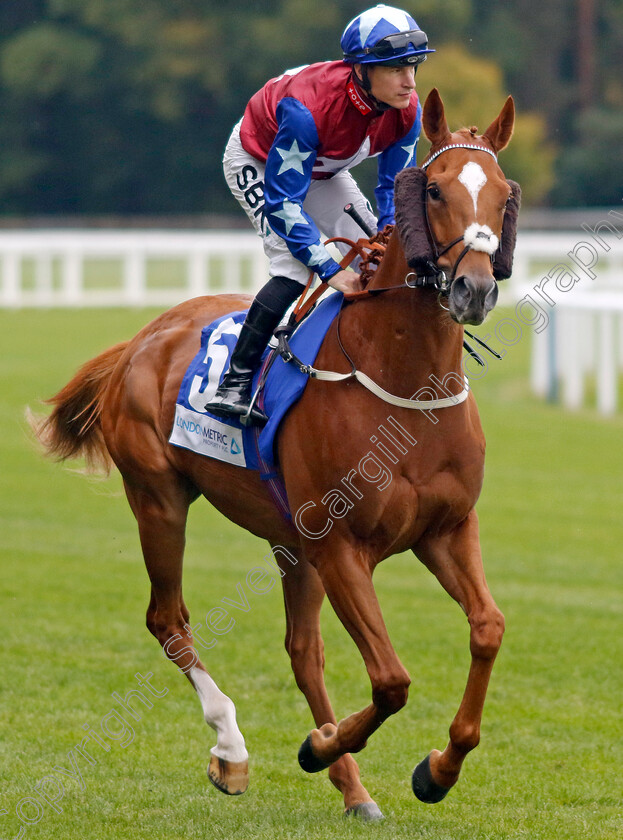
{"x":410,"y":201}
{"x":501,"y":129}
{"x":503,"y":259}
{"x":434,"y":118}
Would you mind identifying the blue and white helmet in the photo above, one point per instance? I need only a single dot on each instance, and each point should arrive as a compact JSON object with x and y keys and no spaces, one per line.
{"x":384,"y":35}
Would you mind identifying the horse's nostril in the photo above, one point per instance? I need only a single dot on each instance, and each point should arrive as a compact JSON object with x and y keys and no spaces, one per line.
{"x":472,"y":298}
{"x":461,"y":291}
{"x":492,"y":297}
{"x":473,"y":290}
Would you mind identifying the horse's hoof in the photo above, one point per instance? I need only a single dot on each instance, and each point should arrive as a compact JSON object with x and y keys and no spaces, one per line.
{"x":230,"y":777}
{"x":424,"y":786}
{"x":308,"y":761}
{"x":366,"y":812}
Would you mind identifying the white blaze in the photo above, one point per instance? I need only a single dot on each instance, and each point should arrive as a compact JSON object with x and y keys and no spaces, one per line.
{"x":473,"y":179}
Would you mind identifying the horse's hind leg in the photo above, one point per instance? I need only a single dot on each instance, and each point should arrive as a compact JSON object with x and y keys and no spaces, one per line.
{"x":303,"y":595}
{"x":161,"y":508}
{"x":457,"y":563}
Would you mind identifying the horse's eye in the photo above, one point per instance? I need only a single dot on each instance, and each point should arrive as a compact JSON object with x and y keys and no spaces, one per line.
{"x":434,"y":192}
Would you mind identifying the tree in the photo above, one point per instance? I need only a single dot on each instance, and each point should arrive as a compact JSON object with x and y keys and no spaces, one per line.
{"x":473,"y":92}
{"x":125,"y":107}
{"x":591,"y":171}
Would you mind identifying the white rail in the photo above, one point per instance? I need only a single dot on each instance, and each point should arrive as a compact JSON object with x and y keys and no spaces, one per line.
{"x":577,"y":348}
{"x":581,"y":352}
{"x":120,"y":268}
{"x":538,"y":254}
{"x":143,"y":267}
{"x":572,"y":284}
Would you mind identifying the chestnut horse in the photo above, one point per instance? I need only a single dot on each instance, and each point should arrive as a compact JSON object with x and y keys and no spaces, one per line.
{"x":120,"y":406}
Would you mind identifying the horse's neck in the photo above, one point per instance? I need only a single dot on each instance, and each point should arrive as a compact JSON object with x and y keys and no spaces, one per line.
{"x":405,"y":334}
{"x":393,"y":267}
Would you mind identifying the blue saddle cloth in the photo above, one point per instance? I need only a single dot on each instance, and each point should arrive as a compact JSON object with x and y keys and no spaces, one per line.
{"x":227,"y":439}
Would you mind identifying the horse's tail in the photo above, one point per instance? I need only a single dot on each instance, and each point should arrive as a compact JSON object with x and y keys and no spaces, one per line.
{"x":74,"y":427}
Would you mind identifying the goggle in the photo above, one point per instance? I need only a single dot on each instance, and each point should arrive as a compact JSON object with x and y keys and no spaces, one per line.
{"x":393,"y":46}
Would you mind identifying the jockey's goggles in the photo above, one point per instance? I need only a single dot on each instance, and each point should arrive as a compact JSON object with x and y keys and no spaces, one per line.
{"x":396,"y":45}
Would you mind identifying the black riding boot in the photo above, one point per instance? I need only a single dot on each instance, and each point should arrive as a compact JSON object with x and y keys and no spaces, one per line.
{"x":233,"y":395}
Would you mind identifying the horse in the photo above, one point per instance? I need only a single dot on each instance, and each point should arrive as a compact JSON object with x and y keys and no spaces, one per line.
{"x":406,"y":330}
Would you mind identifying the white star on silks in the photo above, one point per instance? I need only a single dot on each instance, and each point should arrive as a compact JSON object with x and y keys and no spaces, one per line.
{"x":292,"y":158}
{"x":409,"y":150}
{"x":318,"y":255}
{"x":292,"y":214}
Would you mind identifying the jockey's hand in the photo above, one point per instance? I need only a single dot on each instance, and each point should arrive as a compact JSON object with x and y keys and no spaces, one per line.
{"x":345,"y":281}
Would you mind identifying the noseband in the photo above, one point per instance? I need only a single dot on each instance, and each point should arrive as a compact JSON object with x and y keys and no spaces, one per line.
{"x":434,"y":276}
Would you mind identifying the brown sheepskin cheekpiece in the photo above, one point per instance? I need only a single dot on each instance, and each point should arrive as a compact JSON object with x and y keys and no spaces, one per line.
{"x":410,"y":201}
{"x":503,"y":259}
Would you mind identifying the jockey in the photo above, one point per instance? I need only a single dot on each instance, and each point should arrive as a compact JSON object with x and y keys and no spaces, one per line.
{"x":288,"y":159}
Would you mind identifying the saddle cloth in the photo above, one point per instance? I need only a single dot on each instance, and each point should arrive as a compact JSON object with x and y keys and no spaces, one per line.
{"x":227,"y":439}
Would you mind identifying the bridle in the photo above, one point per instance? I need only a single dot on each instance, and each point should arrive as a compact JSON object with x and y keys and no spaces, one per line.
{"x":433,"y":276}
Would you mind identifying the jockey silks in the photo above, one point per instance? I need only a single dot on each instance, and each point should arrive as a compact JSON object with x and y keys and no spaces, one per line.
{"x":311,"y":124}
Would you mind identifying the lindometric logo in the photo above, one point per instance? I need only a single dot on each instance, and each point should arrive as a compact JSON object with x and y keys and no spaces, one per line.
{"x":234,"y":448}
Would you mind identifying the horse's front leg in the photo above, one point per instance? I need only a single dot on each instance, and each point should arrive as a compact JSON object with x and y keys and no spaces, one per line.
{"x":456,"y":561}
{"x":346,"y":574}
{"x":303,"y":596}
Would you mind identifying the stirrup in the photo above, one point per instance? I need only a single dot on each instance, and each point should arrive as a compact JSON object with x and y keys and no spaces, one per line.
{"x":245,"y":410}
{"x":254,"y":415}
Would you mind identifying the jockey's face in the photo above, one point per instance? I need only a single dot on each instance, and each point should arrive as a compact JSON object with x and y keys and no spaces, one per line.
{"x":391,"y":85}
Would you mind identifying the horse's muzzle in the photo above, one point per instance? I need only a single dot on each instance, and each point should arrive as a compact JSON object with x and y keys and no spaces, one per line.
{"x":471,"y":298}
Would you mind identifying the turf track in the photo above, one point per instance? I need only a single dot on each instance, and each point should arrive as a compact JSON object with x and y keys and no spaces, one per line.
{"x":73,"y":594}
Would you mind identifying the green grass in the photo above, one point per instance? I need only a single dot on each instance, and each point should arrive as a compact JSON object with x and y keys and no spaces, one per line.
{"x":73,"y":594}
